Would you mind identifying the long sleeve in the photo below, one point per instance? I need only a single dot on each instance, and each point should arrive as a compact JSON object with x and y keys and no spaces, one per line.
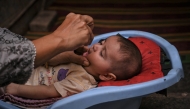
{"x":17,"y":55}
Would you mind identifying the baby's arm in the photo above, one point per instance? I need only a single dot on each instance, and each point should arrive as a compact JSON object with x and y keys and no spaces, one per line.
{"x":35,"y":92}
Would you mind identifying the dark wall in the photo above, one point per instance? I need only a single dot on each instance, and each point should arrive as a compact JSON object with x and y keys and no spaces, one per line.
{"x":17,"y":14}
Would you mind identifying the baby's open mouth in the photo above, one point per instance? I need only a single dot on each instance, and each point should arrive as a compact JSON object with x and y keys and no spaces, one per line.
{"x":88,"y":52}
{"x":85,"y":54}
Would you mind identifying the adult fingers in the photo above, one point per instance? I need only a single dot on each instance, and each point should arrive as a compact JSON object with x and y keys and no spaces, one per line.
{"x":86,"y":18}
{"x":66,"y":22}
{"x":91,"y":35}
{"x":90,"y":25}
{"x":81,"y":50}
{"x":81,"y":60}
{"x":85,"y":48}
{"x":70,"y":14}
{"x":89,"y":20}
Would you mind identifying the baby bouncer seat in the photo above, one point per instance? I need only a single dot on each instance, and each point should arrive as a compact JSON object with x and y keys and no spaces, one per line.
{"x":128,"y":94}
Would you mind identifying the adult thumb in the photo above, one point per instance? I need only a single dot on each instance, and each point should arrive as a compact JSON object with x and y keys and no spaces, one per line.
{"x":81,"y":60}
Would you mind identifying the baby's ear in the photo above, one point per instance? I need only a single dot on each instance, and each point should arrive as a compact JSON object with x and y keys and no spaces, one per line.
{"x":108,"y":77}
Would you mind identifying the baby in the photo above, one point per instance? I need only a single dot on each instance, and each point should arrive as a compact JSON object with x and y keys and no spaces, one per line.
{"x":115,"y":58}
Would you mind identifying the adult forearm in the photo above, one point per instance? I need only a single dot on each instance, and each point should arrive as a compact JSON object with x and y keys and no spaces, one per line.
{"x":46,"y":48}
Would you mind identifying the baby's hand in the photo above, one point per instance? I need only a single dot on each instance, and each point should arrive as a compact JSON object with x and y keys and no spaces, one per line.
{"x":12,"y":88}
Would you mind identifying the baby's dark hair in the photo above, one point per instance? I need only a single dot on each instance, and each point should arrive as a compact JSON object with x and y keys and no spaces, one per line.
{"x":130,"y":62}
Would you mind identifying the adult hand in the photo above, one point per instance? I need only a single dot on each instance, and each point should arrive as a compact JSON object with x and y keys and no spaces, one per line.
{"x":75,"y":31}
{"x":70,"y":57}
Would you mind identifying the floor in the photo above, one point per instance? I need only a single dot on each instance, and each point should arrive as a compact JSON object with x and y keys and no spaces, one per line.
{"x":178,"y":95}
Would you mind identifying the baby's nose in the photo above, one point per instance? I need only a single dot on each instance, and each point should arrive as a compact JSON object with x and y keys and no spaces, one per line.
{"x":96,"y":47}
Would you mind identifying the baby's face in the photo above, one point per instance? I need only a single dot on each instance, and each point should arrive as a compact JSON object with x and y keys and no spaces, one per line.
{"x":101,"y":55}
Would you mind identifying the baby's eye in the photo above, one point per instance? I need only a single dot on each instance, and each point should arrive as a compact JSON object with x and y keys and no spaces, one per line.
{"x":101,"y":40}
{"x":101,"y":54}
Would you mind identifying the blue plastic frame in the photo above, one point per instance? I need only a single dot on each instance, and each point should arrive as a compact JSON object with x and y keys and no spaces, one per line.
{"x":133,"y":92}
